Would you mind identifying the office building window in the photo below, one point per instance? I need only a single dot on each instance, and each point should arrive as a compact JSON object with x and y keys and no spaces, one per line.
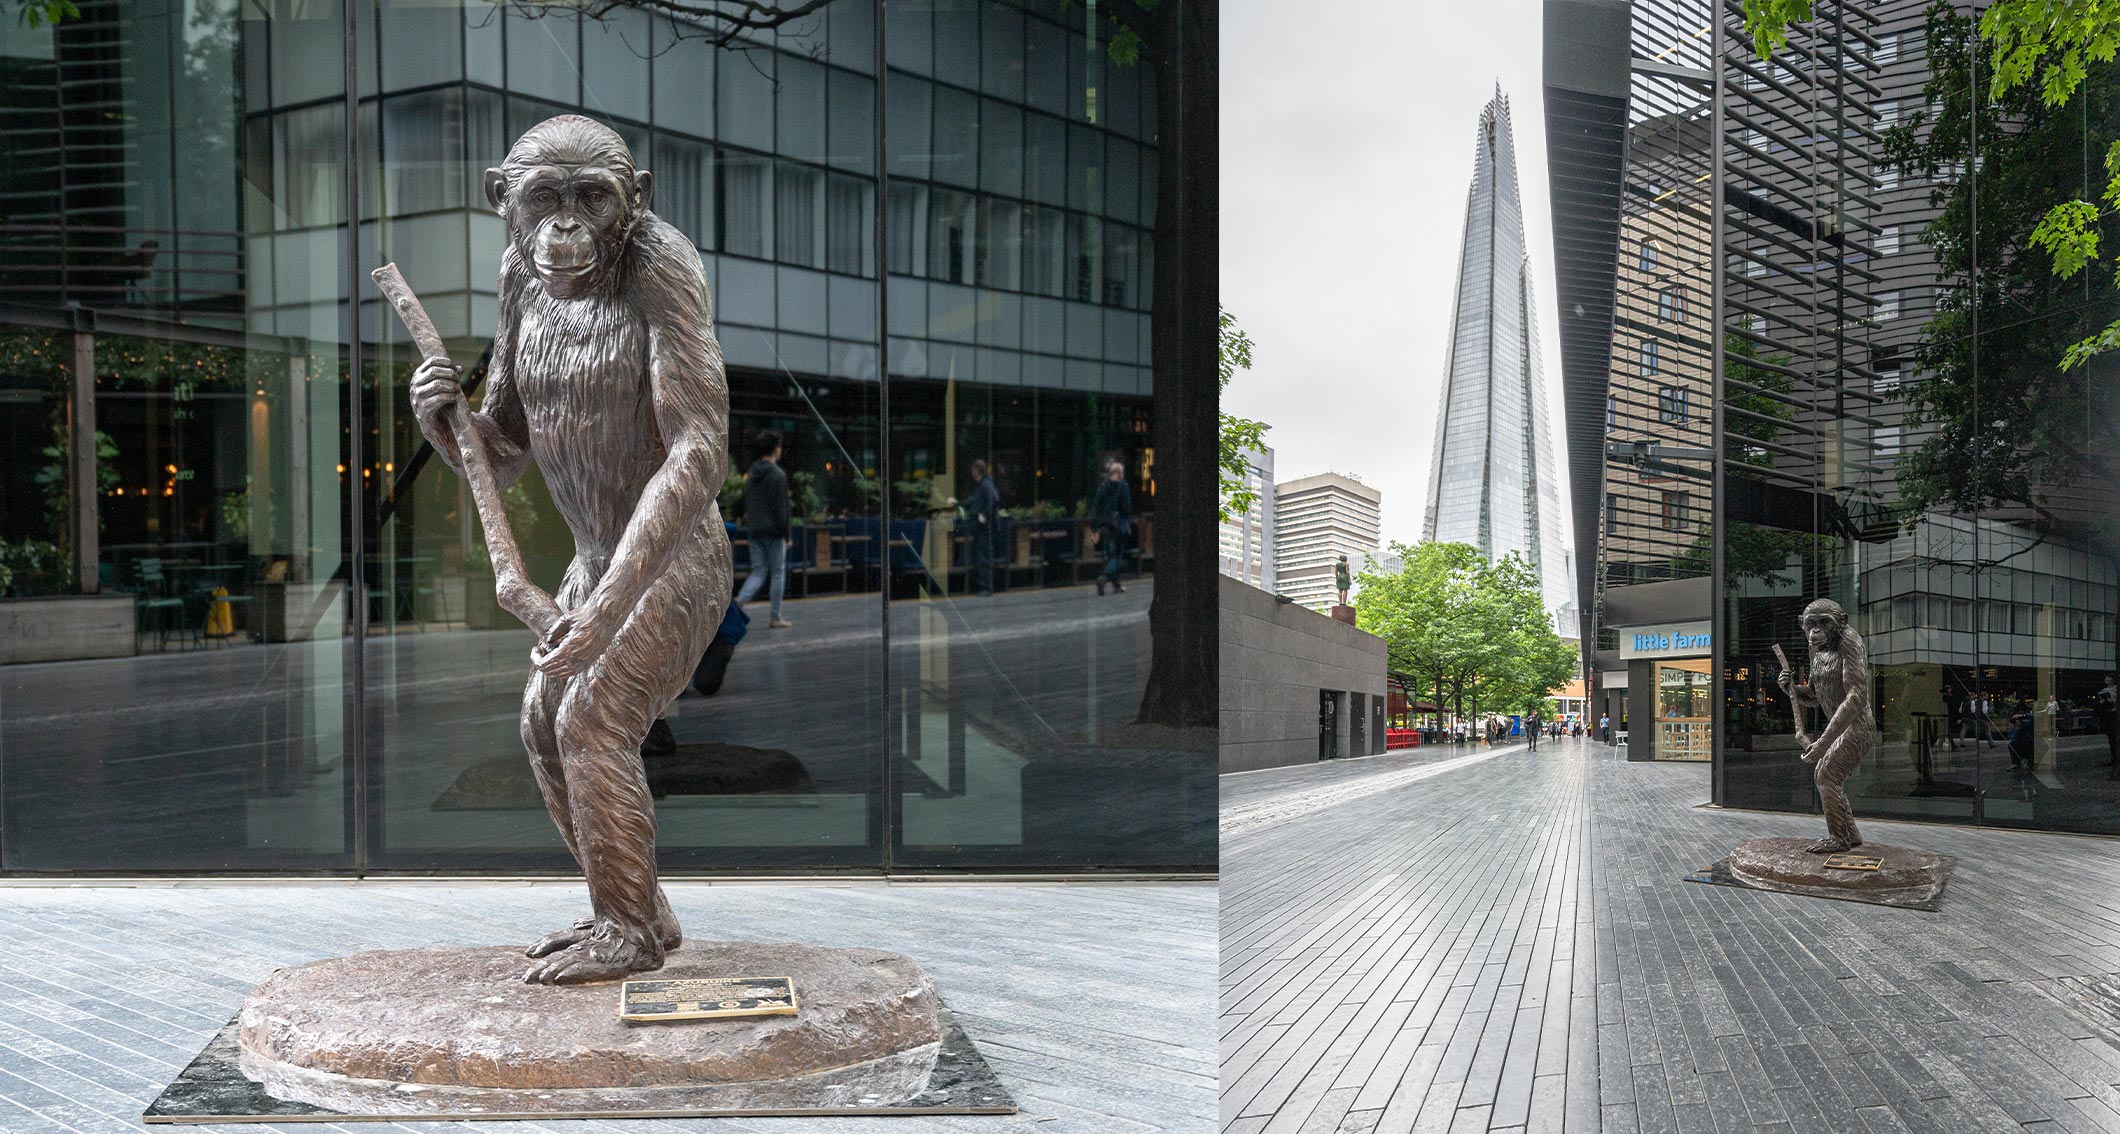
{"x":799,"y":209}
{"x":1611,"y":413}
{"x":1611,"y":513}
{"x":1671,"y":304}
{"x":1887,"y":242}
{"x":1647,"y":261}
{"x":1648,"y":357}
{"x":1671,"y":404}
{"x":746,"y":204}
{"x":1887,"y":306}
{"x":1887,"y":381}
{"x":1676,"y":510}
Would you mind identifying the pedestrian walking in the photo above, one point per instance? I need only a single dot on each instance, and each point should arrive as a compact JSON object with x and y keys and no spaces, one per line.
{"x":1531,"y":726}
{"x":765,"y":519}
{"x":1111,"y":515}
{"x":1604,"y":728}
{"x":984,"y":513}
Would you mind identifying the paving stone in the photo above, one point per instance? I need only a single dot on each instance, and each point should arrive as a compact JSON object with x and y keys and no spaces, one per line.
{"x":1509,"y":942}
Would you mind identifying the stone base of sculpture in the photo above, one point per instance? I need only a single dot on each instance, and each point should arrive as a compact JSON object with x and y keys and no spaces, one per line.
{"x":456,"y":1031}
{"x":1906,"y":878}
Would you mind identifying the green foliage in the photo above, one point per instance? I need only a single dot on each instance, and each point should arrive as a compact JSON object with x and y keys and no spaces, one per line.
{"x":1452,"y":619}
{"x":51,"y":477}
{"x":2003,"y":421}
{"x":34,"y":567}
{"x":1757,"y":396}
{"x":1238,"y":433}
{"x":1769,"y":20}
{"x":2053,"y":46}
{"x":808,"y":496}
{"x":2055,"y":41}
{"x":38,"y":13}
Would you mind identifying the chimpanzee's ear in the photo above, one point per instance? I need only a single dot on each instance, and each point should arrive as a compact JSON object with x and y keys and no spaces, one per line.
{"x":643,"y":188}
{"x":497,"y":190}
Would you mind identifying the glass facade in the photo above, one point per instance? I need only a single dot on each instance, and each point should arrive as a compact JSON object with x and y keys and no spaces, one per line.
{"x":1903,"y":441}
{"x":269,"y":634}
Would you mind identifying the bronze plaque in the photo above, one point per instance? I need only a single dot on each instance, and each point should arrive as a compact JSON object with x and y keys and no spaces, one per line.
{"x":706,"y":998}
{"x":1853,"y":862}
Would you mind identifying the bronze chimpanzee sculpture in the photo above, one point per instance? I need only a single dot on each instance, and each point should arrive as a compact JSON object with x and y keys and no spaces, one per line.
{"x":1839,"y":685}
{"x":605,"y":371}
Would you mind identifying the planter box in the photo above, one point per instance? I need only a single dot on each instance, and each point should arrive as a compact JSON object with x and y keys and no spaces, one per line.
{"x":67,"y":628}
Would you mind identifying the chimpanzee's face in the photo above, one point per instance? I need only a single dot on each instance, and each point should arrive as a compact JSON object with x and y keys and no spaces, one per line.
{"x":569,"y":221}
{"x":1822,"y":631}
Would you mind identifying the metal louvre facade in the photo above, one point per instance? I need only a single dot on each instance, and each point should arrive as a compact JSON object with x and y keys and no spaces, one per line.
{"x":1869,"y":399}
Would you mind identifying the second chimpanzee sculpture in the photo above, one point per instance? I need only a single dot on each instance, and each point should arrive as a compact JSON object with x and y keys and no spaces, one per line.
{"x":605,"y":371}
{"x":1838,"y":685}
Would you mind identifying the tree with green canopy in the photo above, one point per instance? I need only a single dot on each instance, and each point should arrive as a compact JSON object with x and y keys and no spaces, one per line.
{"x":1473,"y":631}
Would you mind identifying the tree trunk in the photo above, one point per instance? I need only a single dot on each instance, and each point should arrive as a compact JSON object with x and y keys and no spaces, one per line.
{"x":1184,"y":631}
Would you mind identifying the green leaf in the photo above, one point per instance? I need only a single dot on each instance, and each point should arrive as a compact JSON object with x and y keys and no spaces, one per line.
{"x":2069,"y":235}
{"x":1769,"y":20}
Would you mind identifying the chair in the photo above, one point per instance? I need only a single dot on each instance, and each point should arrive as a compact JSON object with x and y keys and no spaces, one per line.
{"x":154,"y":602}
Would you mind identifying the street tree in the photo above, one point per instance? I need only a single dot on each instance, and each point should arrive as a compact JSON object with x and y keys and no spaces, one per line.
{"x":1476,"y":632}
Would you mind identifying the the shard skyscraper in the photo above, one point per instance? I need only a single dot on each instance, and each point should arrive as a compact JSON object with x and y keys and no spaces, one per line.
{"x":1493,"y":482}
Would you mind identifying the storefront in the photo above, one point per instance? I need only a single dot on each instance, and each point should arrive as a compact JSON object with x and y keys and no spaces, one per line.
{"x":1669,"y":691}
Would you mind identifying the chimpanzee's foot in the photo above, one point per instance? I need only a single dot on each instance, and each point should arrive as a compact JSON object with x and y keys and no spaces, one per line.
{"x":553,"y":942}
{"x":666,"y":931}
{"x":602,"y":955}
{"x":1831,"y":845}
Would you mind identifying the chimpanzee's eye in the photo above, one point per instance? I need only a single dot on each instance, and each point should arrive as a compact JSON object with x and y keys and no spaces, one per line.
{"x":596,"y":199}
{"x":544,"y":200}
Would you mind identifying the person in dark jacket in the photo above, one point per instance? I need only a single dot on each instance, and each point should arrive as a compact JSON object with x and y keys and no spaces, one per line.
{"x":765,"y":519}
{"x":983,"y":512}
{"x":1111,"y":514}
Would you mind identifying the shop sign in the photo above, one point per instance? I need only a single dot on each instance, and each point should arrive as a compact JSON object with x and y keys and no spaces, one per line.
{"x":1672,"y":640}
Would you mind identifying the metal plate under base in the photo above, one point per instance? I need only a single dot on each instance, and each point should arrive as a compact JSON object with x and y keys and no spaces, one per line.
{"x":212,"y":1089}
{"x":1853,"y":862}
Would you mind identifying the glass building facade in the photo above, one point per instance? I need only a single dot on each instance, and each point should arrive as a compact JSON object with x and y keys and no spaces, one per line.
{"x":252,"y":618}
{"x":1890,"y":426}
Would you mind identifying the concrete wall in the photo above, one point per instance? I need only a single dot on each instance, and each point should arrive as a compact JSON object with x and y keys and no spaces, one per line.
{"x":66,"y":628}
{"x":1276,"y":659}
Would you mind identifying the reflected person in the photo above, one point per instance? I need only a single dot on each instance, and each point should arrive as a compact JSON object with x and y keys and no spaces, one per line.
{"x":766,"y":523}
{"x":984,"y":510}
{"x":1112,"y":515}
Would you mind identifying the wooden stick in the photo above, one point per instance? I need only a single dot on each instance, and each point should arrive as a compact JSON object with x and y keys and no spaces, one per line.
{"x":512,"y":586}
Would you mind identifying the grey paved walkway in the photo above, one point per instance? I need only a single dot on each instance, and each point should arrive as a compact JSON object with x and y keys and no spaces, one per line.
{"x":1507,"y":946}
{"x":106,"y":993}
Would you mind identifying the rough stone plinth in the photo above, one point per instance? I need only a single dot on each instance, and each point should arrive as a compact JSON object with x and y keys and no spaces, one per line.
{"x":1907,"y":877}
{"x":454,"y":1030}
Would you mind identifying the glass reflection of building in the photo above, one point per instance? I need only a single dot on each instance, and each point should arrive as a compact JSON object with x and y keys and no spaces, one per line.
{"x":176,"y":182}
{"x":1887,"y":437}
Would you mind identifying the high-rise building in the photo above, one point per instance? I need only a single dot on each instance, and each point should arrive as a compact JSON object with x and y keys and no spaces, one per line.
{"x":1318,"y":519}
{"x":1766,"y":279}
{"x":1248,"y":538}
{"x":1493,"y":483}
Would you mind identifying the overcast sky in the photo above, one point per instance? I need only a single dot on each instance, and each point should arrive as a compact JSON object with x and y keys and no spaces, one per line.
{"x":1347,"y":147}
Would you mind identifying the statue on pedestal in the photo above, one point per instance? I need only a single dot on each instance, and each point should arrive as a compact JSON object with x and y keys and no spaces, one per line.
{"x":1838,"y":686}
{"x":1342,"y":579}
